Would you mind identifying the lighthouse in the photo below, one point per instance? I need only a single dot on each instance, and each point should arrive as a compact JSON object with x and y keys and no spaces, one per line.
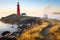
{"x":18,"y":9}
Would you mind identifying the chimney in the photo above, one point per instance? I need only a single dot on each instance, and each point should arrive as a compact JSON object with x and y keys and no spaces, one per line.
{"x":18,"y":9}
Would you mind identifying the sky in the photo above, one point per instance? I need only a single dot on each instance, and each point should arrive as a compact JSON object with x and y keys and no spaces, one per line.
{"x":31,"y":7}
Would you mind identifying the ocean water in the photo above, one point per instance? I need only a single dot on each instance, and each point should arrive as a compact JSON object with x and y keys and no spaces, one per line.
{"x":7,"y":27}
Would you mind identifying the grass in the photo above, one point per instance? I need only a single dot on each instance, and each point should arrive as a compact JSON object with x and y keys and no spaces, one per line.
{"x":34,"y":33}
